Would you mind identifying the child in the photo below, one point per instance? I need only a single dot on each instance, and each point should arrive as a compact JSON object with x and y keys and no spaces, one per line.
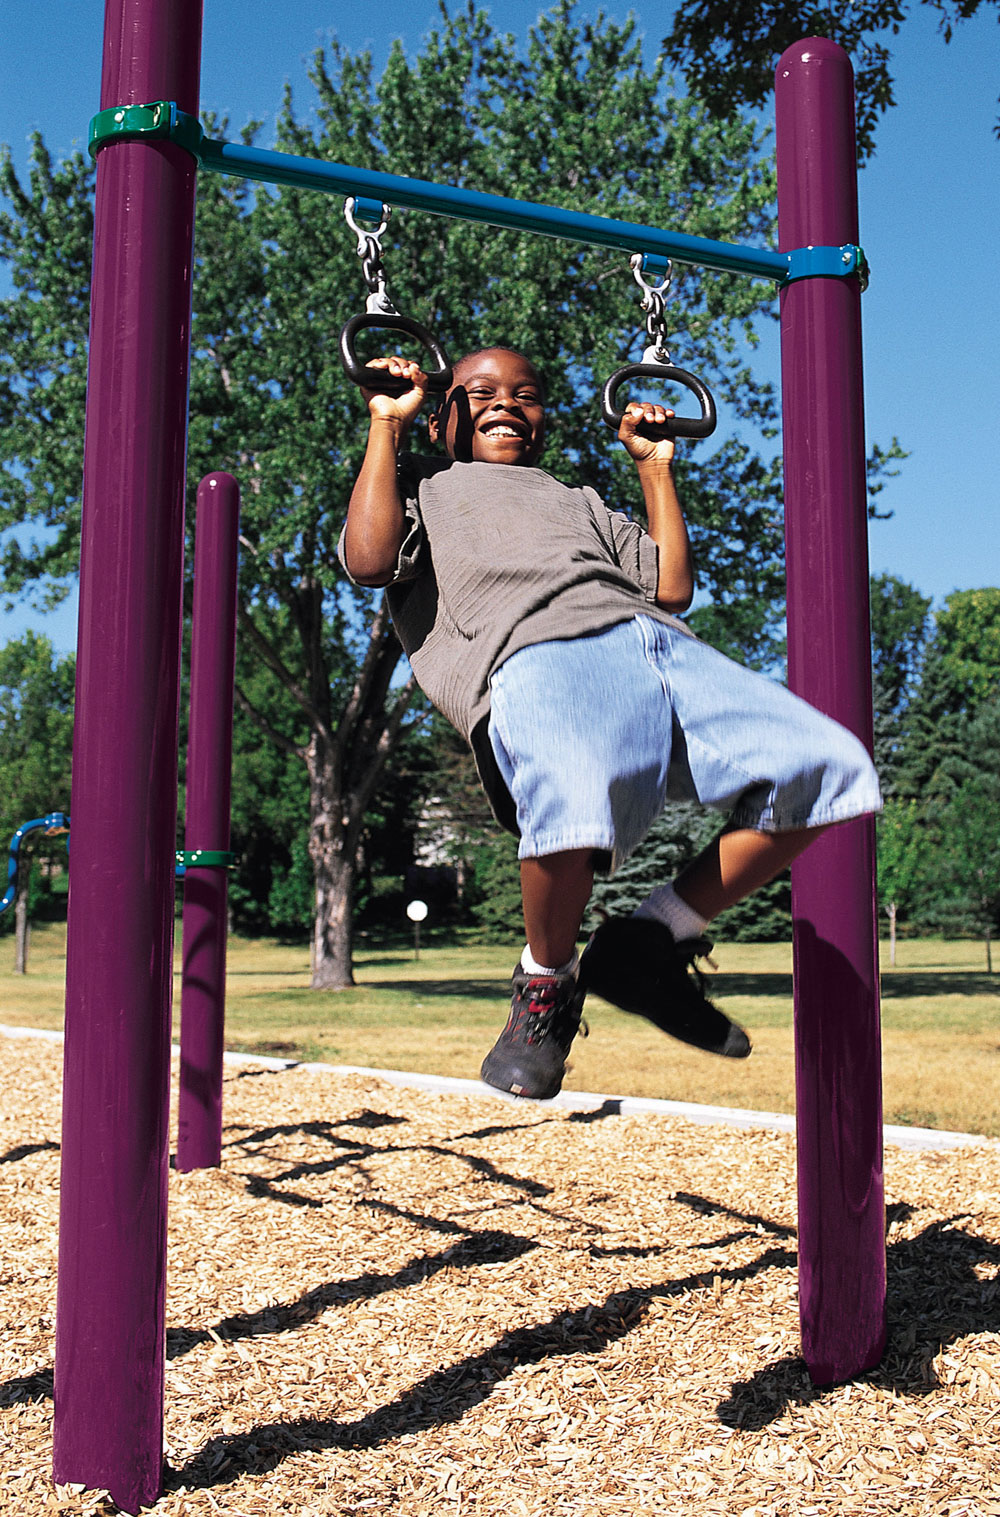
{"x":544,"y":627}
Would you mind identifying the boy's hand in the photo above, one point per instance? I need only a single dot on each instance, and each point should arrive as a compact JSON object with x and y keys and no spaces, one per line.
{"x":402,"y":410}
{"x":637,"y":435}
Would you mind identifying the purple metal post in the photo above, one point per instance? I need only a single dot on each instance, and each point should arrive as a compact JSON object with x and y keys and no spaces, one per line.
{"x":209,"y":773}
{"x":838,"y":1069}
{"x":112,"y":1244}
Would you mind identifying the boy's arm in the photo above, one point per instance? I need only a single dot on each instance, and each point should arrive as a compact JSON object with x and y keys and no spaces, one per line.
{"x":376,"y":520}
{"x":654,"y":464}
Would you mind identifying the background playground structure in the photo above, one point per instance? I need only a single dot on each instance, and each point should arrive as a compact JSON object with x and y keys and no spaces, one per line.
{"x":437,"y":1016}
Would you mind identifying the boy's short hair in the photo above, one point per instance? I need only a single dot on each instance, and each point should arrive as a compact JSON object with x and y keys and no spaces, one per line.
{"x":503,"y":347}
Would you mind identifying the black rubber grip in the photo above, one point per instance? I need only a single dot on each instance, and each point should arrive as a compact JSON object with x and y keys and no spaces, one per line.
{"x":438,"y":381}
{"x":678,"y":426}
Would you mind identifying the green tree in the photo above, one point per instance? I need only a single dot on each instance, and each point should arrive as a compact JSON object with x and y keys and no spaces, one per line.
{"x":900,"y":622}
{"x":574,"y":115}
{"x":970,"y":829}
{"x":36,"y":741}
{"x":960,"y":674}
{"x":905,"y":862}
{"x":270,"y":887}
{"x":674,"y":838}
{"x":728,"y":49}
{"x":494,"y":890}
{"x":680,"y":832}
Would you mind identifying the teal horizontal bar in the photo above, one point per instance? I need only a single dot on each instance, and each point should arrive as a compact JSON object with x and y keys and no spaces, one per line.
{"x":496,"y":210}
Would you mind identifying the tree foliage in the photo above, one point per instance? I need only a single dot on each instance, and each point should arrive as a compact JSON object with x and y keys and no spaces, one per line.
{"x":960,"y":674}
{"x":900,"y":625}
{"x":969,"y":864}
{"x":36,"y":730}
{"x":728,"y":49}
{"x":939,"y":837}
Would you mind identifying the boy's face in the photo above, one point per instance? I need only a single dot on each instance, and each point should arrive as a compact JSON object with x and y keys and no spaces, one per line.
{"x":494,"y":412}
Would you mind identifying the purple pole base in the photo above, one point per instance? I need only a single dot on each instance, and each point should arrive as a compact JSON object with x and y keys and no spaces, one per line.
{"x":210,"y":748}
{"x":842,"y":1280}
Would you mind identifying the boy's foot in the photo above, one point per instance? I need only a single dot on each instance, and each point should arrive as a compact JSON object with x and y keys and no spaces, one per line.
{"x":634,"y":963}
{"x":529,"y":1056}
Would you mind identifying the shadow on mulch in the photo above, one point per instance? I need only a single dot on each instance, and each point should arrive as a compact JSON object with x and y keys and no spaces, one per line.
{"x":25,"y":1150}
{"x":491,"y":1247}
{"x":351,"y":1150}
{"x":446,"y":1395}
{"x":935,"y":1298}
{"x":934,"y":1295}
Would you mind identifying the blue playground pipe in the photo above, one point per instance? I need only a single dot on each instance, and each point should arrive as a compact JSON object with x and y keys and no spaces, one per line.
{"x":371,"y":188}
{"x":52,"y":825}
{"x":57,"y":822}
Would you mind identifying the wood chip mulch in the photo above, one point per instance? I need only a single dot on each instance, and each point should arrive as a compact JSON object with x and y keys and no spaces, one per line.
{"x":394,"y":1302}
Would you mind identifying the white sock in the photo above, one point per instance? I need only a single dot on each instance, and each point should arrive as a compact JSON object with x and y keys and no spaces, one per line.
{"x":533,"y":967}
{"x":665,"y":905}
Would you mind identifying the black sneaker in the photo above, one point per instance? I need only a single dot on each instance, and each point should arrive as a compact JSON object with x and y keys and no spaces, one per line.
{"x":529,"y":1056}
{"x":634,"y":963}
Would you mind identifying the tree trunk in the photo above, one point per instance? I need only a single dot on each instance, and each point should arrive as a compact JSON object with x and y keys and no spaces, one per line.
{"x":22,"y":927}
{"x":892,"y":934}
{"x":989,"y":952}
{"x":333,"y":924}
{"x":344,"y":757}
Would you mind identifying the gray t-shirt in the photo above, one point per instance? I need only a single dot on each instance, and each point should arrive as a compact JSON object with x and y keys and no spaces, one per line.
{"x":498,"y":557}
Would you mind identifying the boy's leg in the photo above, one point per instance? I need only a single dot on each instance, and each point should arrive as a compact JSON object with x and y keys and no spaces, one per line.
{"x":737,"y":863}
{"x":529,"y":1057}
{"x":555,"y":890}
{"x":643,"y":963}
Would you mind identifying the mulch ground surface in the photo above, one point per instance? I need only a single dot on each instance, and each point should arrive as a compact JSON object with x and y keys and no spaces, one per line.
{"x":393,"y":1302}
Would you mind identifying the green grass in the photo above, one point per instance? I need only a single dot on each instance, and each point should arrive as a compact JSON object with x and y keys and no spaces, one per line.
{"x":440,"y":1013}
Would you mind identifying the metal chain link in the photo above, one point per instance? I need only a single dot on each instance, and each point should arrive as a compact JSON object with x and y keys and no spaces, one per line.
{"x":654,"y":304}
{"x":370,"y":253}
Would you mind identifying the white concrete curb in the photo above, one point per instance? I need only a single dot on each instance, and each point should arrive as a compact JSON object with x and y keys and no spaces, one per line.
{"x":575,"y":1100}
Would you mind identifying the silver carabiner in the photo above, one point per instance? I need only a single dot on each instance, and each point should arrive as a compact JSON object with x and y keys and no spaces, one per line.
{"x":635,"y":264}
{"x":365,"y":234}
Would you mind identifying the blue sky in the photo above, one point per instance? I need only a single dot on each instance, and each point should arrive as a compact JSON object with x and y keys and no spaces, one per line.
{"x":930,"y":224}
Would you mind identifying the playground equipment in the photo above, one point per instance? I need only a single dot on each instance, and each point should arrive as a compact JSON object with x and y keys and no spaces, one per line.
{"x":209,"y":767}
{"x":380,"y":314}
{"x":110,"y":1313}
{"x":656,"y":363}
{"x":52,"y":825}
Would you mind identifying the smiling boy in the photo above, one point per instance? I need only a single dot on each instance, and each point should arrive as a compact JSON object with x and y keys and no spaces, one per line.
{"x":544,"y":626}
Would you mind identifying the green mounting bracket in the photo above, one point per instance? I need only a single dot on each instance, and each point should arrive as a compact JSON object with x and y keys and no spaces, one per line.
{"x":828,"y":263}
{"x":159,"y":120}
{"x":205,"y":858}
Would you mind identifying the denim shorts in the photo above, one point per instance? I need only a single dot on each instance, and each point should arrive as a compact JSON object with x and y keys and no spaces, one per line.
{"x":594,"y":735}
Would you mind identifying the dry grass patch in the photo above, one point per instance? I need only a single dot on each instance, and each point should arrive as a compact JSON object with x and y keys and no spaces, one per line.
{"x":386,"y":1301}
